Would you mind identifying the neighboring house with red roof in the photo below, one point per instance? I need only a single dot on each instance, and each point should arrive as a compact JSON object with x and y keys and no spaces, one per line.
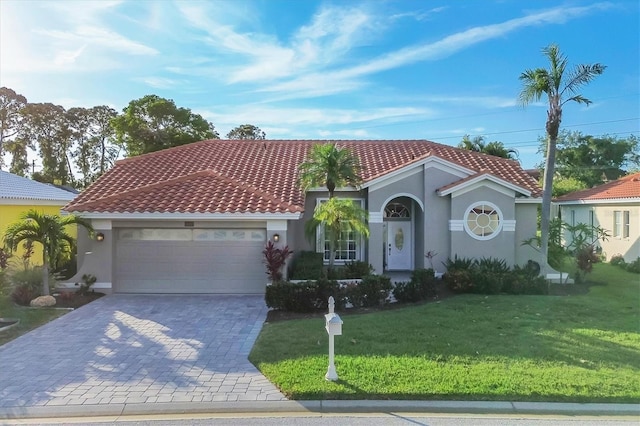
{"x":195,"y":218}
{"x":19,"y":194}
{"x":614,"y":206}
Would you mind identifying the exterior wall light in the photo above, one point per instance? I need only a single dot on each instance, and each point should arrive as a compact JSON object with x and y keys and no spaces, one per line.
{"x":100,"y":236}
{"x":276,"y":238}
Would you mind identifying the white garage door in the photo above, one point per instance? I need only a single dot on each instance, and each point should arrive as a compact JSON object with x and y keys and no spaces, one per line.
{"x":153,"y":260}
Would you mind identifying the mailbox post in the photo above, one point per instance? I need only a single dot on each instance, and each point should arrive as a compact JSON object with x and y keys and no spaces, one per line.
{"x":334,"y":328}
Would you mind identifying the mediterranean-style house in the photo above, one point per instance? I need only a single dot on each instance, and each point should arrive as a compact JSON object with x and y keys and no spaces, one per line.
{"x":195,"y":218}
{"x":19,"y":194}
{"x":613,"y":206}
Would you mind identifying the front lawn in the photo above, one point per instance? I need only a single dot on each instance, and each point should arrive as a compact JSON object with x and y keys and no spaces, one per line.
{"x":581,"y":348}
{"x":30,"y":318}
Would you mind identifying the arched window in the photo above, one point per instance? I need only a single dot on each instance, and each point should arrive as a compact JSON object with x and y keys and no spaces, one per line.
{"x":396,"y":210}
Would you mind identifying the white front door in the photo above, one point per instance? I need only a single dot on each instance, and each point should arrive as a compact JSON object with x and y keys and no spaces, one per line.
{"x":399,"y":245}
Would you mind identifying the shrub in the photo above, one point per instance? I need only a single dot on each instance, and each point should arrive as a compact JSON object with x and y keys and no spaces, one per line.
{"x":459,"y":264}
{"x":373,"y":290}
{"x":634,"y":266}
{"x":421,"y":286}
{"x":24,"y":294}
{"x":486,"y":282}
{"x":458,"y":280}
{"x":357,"y":269}
{"x":87,"y":281}
{"x":525,"y":280}
{"x":307,"y":265}
{"x":303,"y":297}
{"x":275,"y":259}
{"x":27,"y":285}
{"x":618,"y":260}
{"x":287,"y":296}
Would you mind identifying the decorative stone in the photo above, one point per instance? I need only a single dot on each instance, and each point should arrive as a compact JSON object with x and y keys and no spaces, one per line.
{"x":43,"y":301}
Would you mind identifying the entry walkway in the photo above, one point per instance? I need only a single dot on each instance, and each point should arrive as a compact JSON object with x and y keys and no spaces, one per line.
{"x":139,"y":349}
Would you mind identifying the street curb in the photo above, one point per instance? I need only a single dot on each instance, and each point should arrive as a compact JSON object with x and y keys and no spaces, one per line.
{"x":329,"y":406}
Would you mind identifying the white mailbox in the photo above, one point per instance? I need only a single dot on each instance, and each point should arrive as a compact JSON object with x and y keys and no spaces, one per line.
{"x":334,"y":324}
{"x":334,"y":328}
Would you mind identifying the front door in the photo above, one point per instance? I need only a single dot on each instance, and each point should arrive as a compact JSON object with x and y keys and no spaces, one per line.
{"x":399,"y":245}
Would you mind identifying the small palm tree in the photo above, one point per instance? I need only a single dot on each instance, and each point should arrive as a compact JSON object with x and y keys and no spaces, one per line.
{"x":48,"y":230}
{"x":338,"y":216}
{"x":560,"y":88}
{"x":333,"y":167}
{"x":330,"y":166}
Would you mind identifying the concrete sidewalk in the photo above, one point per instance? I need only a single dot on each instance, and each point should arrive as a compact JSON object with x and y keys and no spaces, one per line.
{"x":329,"y":406}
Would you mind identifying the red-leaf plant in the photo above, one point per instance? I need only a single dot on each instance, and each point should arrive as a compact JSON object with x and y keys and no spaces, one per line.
{"x":274,"y":259}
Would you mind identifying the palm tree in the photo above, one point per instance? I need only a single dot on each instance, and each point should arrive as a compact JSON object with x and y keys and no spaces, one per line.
{"x":48,"y":230}
{"x":477,"y":144}
{"x":560,"y":88}
{"x":330,"y":166}
{"x":333,"y":167}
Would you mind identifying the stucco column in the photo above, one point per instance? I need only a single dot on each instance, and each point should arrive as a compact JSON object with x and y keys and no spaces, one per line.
{"x":376,"y":242}
{"x":278,"y":227}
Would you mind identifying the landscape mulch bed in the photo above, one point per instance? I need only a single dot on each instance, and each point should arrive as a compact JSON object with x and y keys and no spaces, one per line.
{"x":75,"y":300}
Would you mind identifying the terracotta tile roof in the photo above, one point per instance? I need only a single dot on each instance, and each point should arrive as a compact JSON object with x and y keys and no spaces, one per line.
{"x":217,"y":176}
{"x":625,"y":187}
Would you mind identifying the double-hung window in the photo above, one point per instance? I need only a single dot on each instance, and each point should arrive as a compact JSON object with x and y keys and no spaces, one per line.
{"x":617,"y":223}
{"x":625,"y":224}
{"x":350,"y":245}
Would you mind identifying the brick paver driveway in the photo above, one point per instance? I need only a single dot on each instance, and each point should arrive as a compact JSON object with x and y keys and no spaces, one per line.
{"x":139,"y":349}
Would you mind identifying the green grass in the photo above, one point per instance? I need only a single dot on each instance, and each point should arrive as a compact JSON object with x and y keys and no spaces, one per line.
{"x":581,"y":348}
{"x":30,"y":318}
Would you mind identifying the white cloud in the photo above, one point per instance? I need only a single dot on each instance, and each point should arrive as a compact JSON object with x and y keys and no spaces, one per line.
{"x":349,"y":78}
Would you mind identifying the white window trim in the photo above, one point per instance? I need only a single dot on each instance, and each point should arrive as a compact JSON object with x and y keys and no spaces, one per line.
{"x":495,"y":232}
{"x":360,"y":249}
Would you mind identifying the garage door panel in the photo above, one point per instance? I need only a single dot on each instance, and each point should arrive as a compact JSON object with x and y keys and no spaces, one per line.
{"x":156,"y":266}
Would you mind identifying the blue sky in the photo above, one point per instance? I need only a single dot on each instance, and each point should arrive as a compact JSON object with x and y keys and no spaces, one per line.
{"x":401,"y":69}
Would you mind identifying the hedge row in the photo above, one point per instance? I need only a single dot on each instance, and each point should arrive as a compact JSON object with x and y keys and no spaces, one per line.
{"x":310,"y":296}
{"x":493,"y":276}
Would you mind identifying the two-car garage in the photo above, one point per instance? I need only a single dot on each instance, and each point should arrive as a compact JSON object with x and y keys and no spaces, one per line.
{"x":161,"y":260}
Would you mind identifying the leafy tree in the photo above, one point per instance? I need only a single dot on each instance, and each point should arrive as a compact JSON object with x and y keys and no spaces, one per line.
{"x":152,"y":123}
{"x":565,"y":185}
{"x":333,"y":167}
{"x":11,"y":105}
{"x":593,"y":160}
{"x":46,"y":127}
{"x":560,"y":88}
{"x":94,"y":148}
{"x":49,"y":231}
{"x":495,"y":148}
{"x":246,"y":131}
{"x":18,"y":148}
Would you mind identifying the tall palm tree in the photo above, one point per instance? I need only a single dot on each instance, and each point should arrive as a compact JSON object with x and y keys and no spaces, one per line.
{"x":330,"y":166}
{"x":333,"y":167}
{"x":48,"y":230}
{"x":559,"y":88}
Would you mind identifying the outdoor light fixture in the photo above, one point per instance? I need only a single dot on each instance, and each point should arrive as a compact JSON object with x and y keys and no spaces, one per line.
{"x":99,"y":236}
{"x":276,"y":238}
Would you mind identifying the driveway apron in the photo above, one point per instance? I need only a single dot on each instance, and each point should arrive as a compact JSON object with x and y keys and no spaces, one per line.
{"x":140,"y":349}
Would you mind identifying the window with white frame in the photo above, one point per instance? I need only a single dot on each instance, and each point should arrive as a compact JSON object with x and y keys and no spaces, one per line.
{"x":350,"y":245}
{"x":483,"y":221}
{"x":592,"y":224}
{"x":617,"y":223}
{"x":626,"y":223}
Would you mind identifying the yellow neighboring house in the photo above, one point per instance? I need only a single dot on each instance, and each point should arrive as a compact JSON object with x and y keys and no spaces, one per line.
{"x":19,"y":194}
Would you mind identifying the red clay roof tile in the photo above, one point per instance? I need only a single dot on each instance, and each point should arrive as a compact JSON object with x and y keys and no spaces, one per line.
{"x":625,"y":187}
{"x":223,"y":176}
